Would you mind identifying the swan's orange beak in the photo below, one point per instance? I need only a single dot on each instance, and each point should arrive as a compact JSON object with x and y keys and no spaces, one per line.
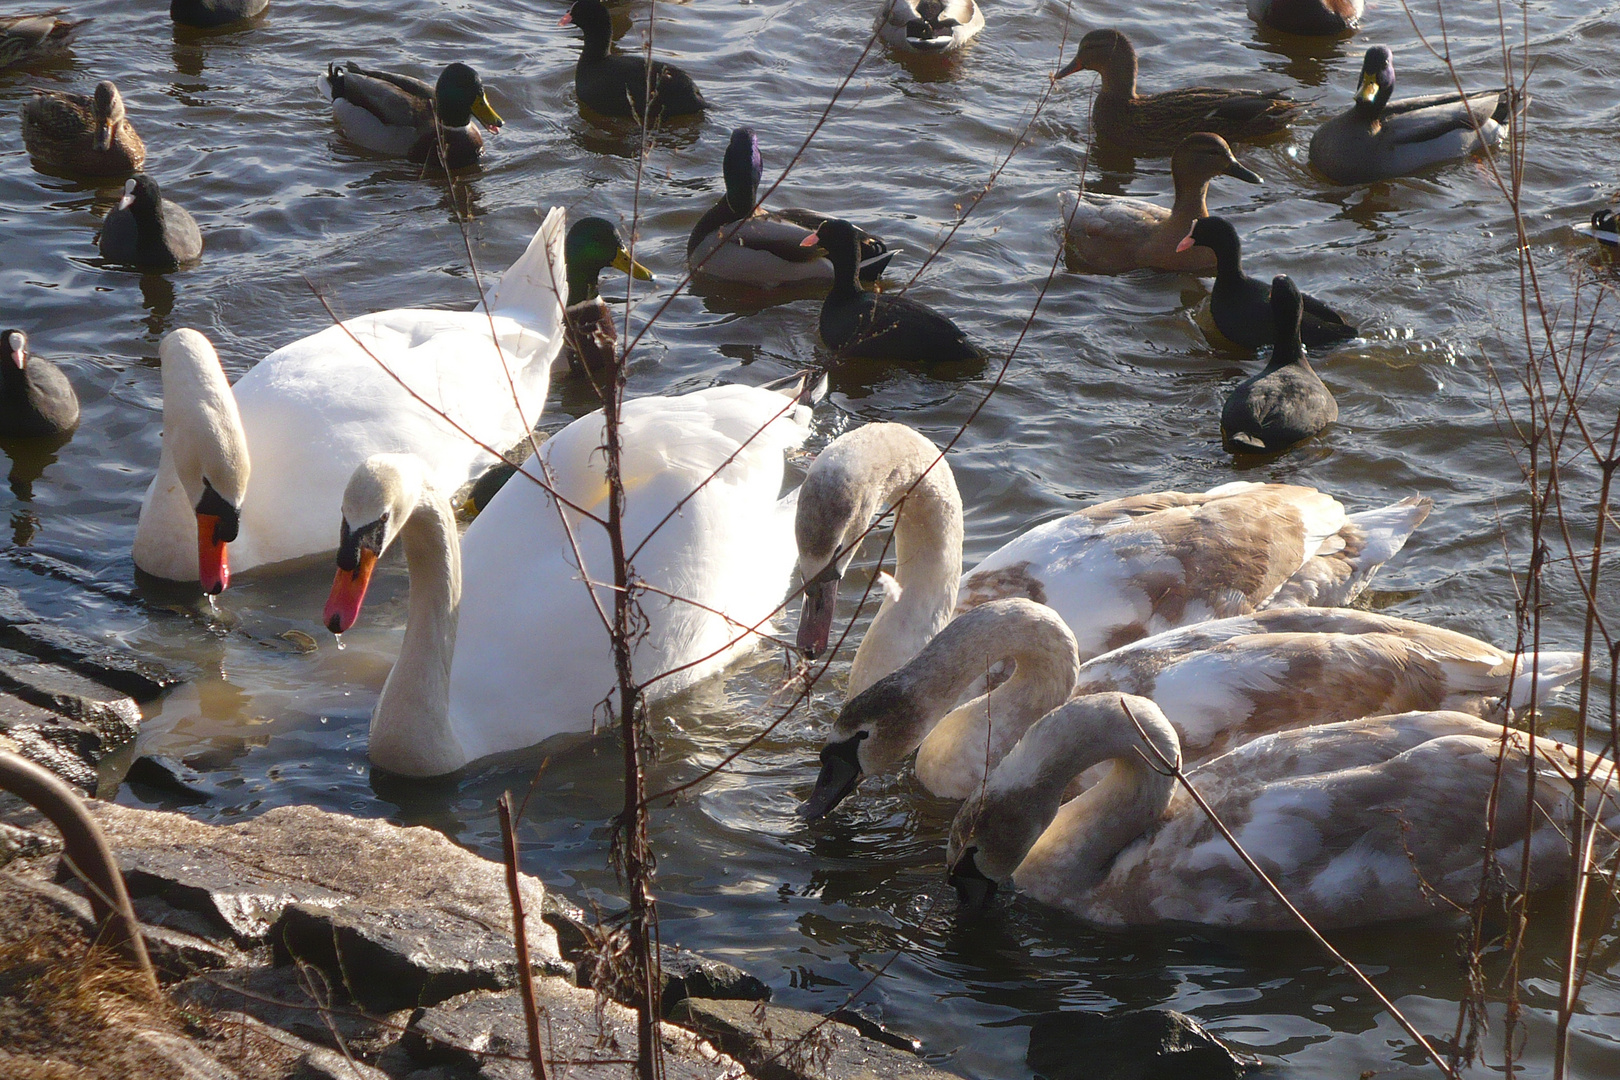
{"x":348,"y":593}
{"x":212,"y":568}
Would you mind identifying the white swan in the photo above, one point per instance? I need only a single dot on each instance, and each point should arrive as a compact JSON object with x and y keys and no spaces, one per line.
{"x":309,"y":413}
{"x":1220,"y":684}
{"x":929,"y":26}
{"x":504,"y":648}
{"x":1115,"y":572}
{"x":1343,"y":817}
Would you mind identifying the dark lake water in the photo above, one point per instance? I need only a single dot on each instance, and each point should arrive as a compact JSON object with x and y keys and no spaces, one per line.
{"x":1114,"y":390}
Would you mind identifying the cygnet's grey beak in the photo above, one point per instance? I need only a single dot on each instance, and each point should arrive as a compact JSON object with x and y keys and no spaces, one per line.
{"x":840,"y":772}
{"x":816,"y":617}
{"x":974,"y":891}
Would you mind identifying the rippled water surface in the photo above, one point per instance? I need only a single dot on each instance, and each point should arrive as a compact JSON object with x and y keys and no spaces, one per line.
{"x":1114,"y":390}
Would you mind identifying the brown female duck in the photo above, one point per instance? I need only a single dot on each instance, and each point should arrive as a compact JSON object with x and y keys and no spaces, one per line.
{"x":1114,"y":234}
{"x":1154,"y":124}
{"x":24,"y":38}
{"x":86,"y":134}
{"x":1308,"y":18}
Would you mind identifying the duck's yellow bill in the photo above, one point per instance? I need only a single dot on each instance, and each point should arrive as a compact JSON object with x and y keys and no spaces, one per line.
{"x":1367,"y":92}
{"x":623,"y":261}
{"x":486,"y":113}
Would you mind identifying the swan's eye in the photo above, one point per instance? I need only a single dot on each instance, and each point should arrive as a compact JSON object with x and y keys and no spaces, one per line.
{"x":859,"y":735}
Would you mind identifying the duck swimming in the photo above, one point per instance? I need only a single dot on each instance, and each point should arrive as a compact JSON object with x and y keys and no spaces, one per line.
{"x":1378,"y":139}
{"x":860,"y":325}
{"x":1117,"y":571}
{"x":90,"y":135}
{"x":503,"y":646}
{"x":208,"y":14}
{"x":396,"y":114}
{"x":735,"y":242}
{"x":929,"y":26}
{"x":1240,"y":305}
{"x":1156,"y":123}
{"x":593,"y":246}
{"x":1357,"y":822}
{"x":36,"y":399}
{"x":1286,"y":403}
{"x":615,"y":84}
{"x":27,"y":38}
{"x":1308,"y":18}
{"x":1114,"y":234}
{"x":306,"y":416}
{"x":146,"y":230}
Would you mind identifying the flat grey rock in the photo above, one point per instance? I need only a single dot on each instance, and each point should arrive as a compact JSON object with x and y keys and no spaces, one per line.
{"x":1144,"y":1044}
{"x":137,"y":676}
{"x":113,"y":715}
{"x":484,"y":1035}
{"x":322,"y":1064}
{"x":393,"y":959}
{"x":245,"y":875}
{"x":296,"y":1003}
{"x":68,"y":748}
{"x":786,"y":1044}
{"x":16,"y":843}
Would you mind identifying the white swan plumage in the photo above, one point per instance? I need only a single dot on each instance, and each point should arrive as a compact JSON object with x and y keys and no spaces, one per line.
{"x":503,"y":648}
{"x":310,"y":413}
{"x":1357,"y":822}
{"x":1116,"y":572}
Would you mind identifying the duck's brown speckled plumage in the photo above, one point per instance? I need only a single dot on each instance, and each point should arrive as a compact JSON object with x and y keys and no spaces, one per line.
{"x":25,"y":38}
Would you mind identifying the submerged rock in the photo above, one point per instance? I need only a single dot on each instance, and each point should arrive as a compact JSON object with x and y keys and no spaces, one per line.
{"x":774,"y":1043}
{"x":1147,"y":1044}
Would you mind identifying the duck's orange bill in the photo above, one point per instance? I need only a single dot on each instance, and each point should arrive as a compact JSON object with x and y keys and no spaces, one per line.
{"x":212,"y":569}
{"x":348,"y":593}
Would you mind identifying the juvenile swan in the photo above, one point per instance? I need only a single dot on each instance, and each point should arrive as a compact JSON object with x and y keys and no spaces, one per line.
{"x":1344,"y":818}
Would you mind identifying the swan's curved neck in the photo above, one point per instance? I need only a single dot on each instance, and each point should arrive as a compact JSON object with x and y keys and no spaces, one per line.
{"x":411,"y":732}
{"x":955,"y":758}
{"x":928,"y":564}
{"x":1078,"y":841}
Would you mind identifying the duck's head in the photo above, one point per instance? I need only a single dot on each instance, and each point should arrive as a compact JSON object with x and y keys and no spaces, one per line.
{"x":591,"y":16}
{"x":459,"y":96}
{"x":107,"y":111}
{"x":1377,"y":80}
{"x":1215,"y":233}
{"x":203,"y":435}
{"x":837,"y":238}
{"x":16,"y":350}
{"x":592,"y":246}
{"x":381,"y":496}
{"x":1102,"y":51}
{"x":743,"y":168}
{"x":1202,"y":156}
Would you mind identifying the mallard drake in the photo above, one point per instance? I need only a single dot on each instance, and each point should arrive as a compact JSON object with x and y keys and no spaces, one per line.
{"x":81,"y":133}
{"x":765,"y":249}
{"x":36,"y":399}
{"x":929,"y":26}
{"x":1308,"y":18}
{"x":1356,"y":822}
{"x":1156,"y":123}
{"x":616,"y":85}
{"x":395,"y":114}
{"x":1378,"y":139}
{"x":149,"y":231}
{"x":857,"y":324}
{"x":1114,"y":234}
{"x":25,"y":38}
{"x":1241,"y":305}
{"x":207,"y":14}
{"x":503,"y":648}
{"x":1286,"y":403}
{"x":1604,"y":228}
{"x":593,"y":245}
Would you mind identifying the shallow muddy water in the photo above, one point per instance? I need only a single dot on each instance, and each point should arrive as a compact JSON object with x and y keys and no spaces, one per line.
{"x":1114,"y":390}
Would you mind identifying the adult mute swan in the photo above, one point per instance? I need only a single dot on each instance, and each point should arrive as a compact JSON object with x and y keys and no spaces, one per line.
{"x":1115,"y":572}
{"x":1356,"y":822}
{"x":1220,"y":684}
{"x":311,"y":412}
{"x":504,"y":648}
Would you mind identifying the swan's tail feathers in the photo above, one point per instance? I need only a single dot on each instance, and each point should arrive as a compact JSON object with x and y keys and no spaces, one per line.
{"x":533,"y":289}
{"x":1347,"y":561}
{"x":1549,"y":671}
